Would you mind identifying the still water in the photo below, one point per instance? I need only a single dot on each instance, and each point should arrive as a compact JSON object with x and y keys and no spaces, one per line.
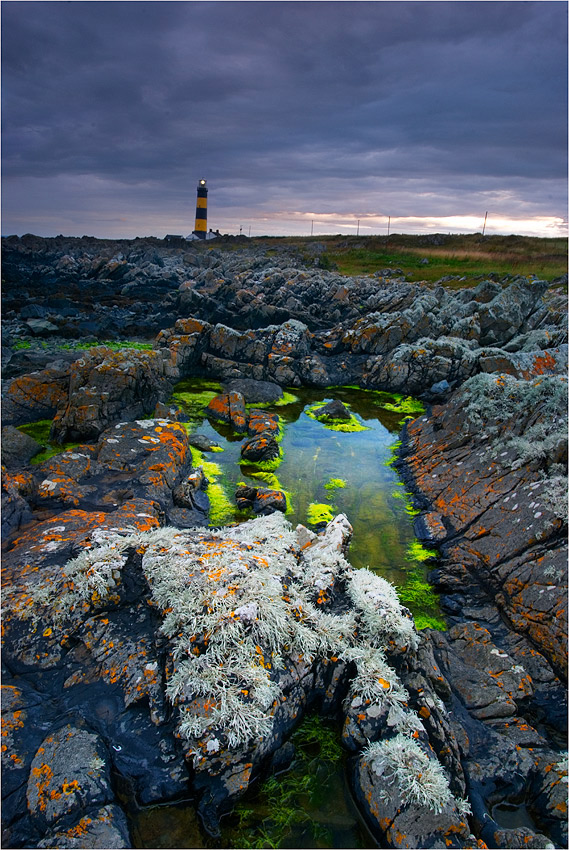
{"x":323,"y":470}
{"x":343,"y":472}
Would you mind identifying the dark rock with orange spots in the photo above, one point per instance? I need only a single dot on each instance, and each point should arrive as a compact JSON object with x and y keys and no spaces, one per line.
{"x":491,"y":505}
{"x":17,"y":492}
{"x":105,"y":828}
{"x":261,"y":422}
{"x":107,"y":386}
{"x":35,"y":396}
{"x":526,"y":364}
{"x":228,"y":408}
{"x":147,"y":459}
{"x":260,"y":448}
{"x":261,"y":500}
{"x":70,"y":767}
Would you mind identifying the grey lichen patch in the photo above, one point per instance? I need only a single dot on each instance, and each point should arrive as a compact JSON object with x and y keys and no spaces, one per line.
{"x":420,"y":781}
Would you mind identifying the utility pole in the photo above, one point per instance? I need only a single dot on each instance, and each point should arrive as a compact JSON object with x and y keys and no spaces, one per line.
{"x":484,"y":227}
{"x":312,"y":227}
{"x":358,"y":230}
{"x":388,"y":225}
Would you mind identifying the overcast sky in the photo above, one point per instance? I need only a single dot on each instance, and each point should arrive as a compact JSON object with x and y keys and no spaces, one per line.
{"x":302,"y":116}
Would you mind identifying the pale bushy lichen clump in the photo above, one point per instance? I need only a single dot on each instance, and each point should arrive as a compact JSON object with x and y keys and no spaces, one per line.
{"x":241,"y":601}
{"x":420,"y":781}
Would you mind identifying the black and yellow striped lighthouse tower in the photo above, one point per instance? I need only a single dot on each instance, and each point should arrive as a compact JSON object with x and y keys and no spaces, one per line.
{"x":201,"y":210}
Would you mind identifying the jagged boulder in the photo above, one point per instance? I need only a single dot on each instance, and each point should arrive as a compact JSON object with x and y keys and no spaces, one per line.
{"x":107,"y":386}
{"x":228,"y":408}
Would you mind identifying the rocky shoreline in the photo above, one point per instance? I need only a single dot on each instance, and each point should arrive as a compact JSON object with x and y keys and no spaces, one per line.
{"x":148,"y":658}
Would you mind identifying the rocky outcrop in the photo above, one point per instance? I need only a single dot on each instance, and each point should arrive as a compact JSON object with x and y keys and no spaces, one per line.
{"x":491,"y":467}
{"x":440,"y":336}
{"x":285,"y":629}
{"x":106,"y":386}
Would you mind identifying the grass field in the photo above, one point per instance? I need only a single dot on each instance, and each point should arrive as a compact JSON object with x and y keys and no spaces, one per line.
{"x":465,"y":256}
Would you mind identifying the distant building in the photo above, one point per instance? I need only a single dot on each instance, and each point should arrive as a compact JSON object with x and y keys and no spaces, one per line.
{"x":200,"y":228}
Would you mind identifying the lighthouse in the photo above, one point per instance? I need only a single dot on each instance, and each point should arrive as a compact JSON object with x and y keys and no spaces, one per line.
{"x":200,"y":229}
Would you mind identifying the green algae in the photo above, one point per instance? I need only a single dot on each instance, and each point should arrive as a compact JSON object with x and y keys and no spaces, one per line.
{"x":426,"y":621}
{"x":394,"y":452}
{"x":261,"y":465}
{"x":404,"y":404}
{"x":332,"y":485}
{"x":291,"y":804}
{"x":114,"y":344}
{"x":222,"y":510}
{"x":345,"y":426}
{"x":318,"y":512}
{"x":417,"y":552}
{"x":40,"y":431}
{"x":418,"y":595}
{"x":193,"y":395}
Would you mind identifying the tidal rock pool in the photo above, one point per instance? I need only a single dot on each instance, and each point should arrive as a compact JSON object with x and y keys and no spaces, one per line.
{"x":326,"y":469}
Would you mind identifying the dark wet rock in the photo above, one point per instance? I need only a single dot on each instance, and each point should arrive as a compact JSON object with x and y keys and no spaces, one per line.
{"x":17,"y":448}
{"x":189,"y":493}
{"x":228,"y":408}
{"x":261,"y":500}
{"x":18,"y":490}
{"x":203,"y":443}
{"x":260,"y":448}
{"x":22,"y":362}
{"x":41,"y":327}
{"x":333,"y":410}
{"x":169,"y":411}
{"x":256,"y":392}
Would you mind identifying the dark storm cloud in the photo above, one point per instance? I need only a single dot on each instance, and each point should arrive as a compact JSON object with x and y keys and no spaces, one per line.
{"x":300,"y":106}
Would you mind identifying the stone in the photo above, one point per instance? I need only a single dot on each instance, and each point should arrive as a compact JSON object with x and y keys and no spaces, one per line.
{"x":71,"y":765}
{"x":228,"y":408}
{"x":107,"y":386}
{"x":260,"y":448}
{"x":261,"y":500}
{"x":36,"y":396}
{"x":256,"y":392}
{"x":17,"y":448}
{"x":261,"y":422}
{"x":333,"y":410}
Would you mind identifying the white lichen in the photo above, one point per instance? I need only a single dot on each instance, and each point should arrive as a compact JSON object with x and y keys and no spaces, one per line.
{"x":419,"y":780}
